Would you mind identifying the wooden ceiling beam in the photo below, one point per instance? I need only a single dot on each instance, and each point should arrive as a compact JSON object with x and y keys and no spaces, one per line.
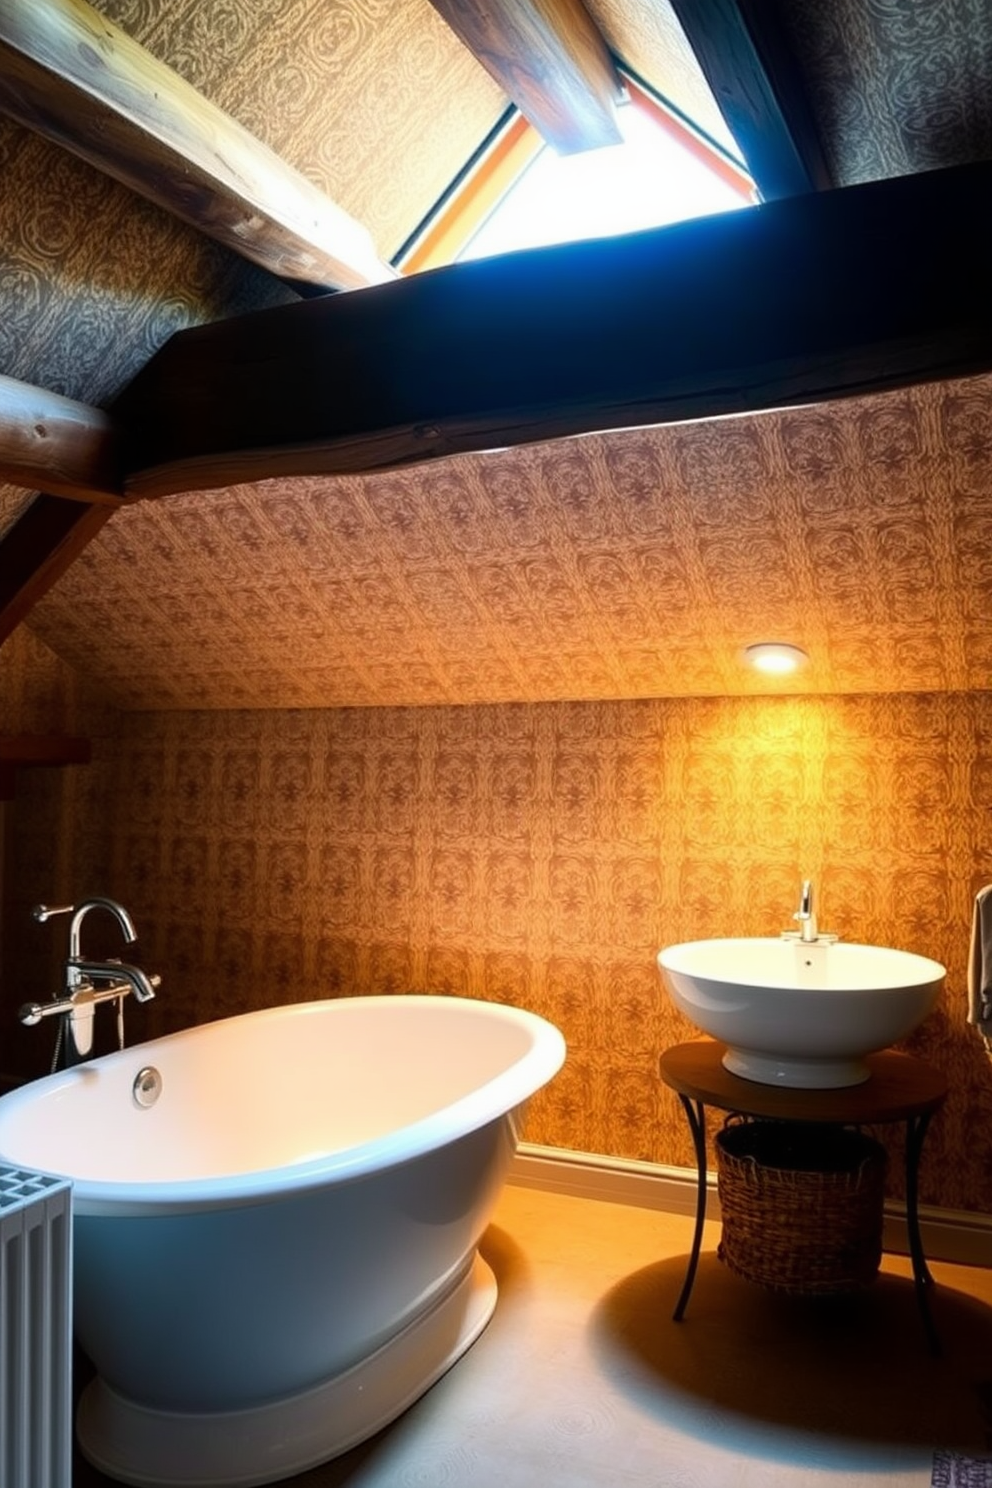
{"x":551,"y":59}
{"x":72,"y":75}
{"x":73,"y":452}
{"x":38,"y":548}
{"x":744,"y":55}
{"x":28,"y":750}
{"x":55,"y":444}
{"x":24,"y":751}
{"x":827,"y":295}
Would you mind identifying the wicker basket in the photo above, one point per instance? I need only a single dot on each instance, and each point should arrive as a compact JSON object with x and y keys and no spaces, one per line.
{"x":801,"y":1205}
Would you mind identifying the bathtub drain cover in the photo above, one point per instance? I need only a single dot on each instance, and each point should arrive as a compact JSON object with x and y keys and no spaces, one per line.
{"x":147,"y":1086}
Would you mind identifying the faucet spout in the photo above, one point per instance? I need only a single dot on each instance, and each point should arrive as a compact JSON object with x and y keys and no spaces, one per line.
{"x":809,"y":932}
{"x":121,"y":977}
{"x":805,"y":914}
{"x":118,"y":911}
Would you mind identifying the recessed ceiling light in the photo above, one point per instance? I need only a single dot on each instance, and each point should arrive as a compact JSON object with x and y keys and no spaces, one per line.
{"x":775,"y":657}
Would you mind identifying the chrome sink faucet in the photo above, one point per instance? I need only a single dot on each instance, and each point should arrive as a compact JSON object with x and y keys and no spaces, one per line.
{"x":86,"y":982}
{"x":809,"y":932}
{"x":805,"y":915}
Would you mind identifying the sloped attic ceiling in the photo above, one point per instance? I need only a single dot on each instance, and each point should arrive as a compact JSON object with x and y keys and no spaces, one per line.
{"x":632,"y":563}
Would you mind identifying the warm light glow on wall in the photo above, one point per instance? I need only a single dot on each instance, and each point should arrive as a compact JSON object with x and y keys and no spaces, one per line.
{"x":775,"y":658}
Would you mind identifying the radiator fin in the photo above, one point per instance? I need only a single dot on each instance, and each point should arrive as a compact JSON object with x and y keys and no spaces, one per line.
{"x":35,"y":1330}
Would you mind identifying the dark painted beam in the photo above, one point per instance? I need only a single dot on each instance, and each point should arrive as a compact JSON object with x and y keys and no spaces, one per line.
{"x":21,"y":751}
{"x":823,"y":296}
{"x":37,"y":550}
{"x":744,"y":55}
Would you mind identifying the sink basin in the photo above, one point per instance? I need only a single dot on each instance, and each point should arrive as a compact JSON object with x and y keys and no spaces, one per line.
{"x":797,"y":1014}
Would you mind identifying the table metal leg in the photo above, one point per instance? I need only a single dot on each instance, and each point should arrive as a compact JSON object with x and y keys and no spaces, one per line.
{"x":916,"y":1130}
{"x":696,"y":1114}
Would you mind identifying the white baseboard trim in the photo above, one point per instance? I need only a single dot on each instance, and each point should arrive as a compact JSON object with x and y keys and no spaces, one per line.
{"x":958,"y":1235}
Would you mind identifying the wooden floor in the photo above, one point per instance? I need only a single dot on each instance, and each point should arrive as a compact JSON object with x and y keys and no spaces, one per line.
{"x":582,"y":1379}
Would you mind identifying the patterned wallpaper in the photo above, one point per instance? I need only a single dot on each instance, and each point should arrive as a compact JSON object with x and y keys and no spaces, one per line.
{"x":647,"y":36}
{"x":39,"y":694}
{"x":536,"y":853}
{"x":54,"y":836}
{"x":622,"y":565}
{"x":896,"y":86}
{"x":13,"y":503}
{"x":377,"y":103}
{"x":93,"y":279}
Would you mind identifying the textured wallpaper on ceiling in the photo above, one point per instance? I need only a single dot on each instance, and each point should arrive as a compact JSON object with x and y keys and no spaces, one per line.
{"x":94,"y":279}
{"x":627,"y":564}
{"x":895,"y":87}
{"x":540,"y":855}
{"x":378,"y":104}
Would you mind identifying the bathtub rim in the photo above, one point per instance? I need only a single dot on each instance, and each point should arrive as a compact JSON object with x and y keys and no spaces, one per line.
{"x":498,"y":1098}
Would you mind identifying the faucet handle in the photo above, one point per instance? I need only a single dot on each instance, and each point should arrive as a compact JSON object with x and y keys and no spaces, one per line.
{"x":43,"y":912}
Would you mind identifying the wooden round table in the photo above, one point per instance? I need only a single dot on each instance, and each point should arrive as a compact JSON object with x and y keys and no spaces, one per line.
{"x":899,"y":1088}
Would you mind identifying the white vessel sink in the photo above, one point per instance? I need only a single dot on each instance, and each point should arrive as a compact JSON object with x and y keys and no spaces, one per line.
{"x":800,"y":1014}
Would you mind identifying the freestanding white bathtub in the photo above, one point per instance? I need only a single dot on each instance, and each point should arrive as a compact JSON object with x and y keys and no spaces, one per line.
{"x":276,"y":1221}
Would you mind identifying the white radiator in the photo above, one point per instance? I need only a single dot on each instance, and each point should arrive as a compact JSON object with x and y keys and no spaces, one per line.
{"x":35,"y":1330}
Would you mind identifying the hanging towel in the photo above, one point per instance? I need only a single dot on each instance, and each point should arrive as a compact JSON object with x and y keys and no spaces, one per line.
{"x":980,"y":965}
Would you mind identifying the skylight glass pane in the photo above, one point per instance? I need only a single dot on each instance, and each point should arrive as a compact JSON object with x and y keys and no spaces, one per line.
{"x":648,"y":181}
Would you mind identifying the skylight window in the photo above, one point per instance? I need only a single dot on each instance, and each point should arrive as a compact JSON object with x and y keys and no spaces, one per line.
{"x":522,"y":194}
{"x":648,"y":181}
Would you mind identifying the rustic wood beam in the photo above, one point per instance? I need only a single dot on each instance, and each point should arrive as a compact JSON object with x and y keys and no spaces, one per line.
{"x":58,"y":445}
{"x":822,"y":296}
{"x":550,"y":57}
{"x":73,"y":76}
{"x":37,"y":550}
{"x":742,"y":50}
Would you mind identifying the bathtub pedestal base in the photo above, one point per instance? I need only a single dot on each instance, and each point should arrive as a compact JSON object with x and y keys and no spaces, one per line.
{"x":238,"y":1449}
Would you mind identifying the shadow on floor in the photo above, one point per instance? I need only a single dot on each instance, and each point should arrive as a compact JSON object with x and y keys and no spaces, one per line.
{"x":774,"y":1375}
